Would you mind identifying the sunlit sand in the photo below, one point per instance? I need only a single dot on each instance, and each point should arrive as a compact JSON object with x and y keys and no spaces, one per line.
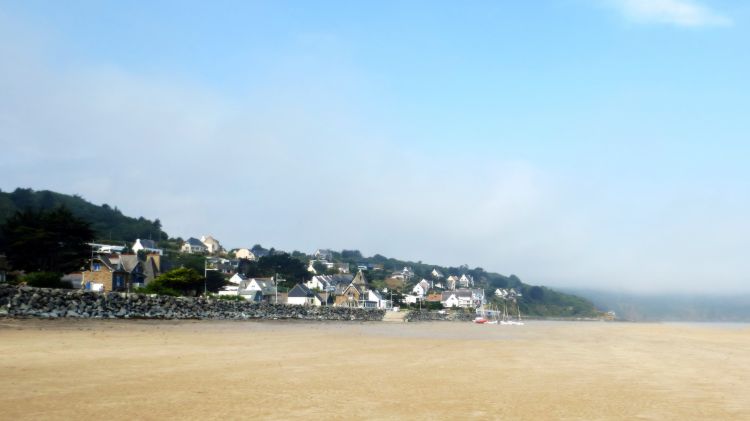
{"x":88,"y":369}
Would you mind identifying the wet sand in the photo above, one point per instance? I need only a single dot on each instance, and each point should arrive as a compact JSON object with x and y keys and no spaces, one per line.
{"x":85,"y":369}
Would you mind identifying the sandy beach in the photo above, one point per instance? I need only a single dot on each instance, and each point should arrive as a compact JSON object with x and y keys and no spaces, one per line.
{"x":86,"y":369}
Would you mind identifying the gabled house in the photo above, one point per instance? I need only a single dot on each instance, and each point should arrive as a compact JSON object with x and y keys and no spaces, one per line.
{"x":323,"y":254}
{"x":359,"y":294}
{"x":451,"y":282}
{"x":212,"y":245}
{"x":466,"y":281}
{"x":354,"y":294}
{"x":405,"y":274}
{"x":303,"y":296}
{"x":374,"y":299}
{"x":237,"y":279}
{"x":149,"y":246}
{"x":193,"y":245}
{"x":466,"y":298}
{"x":107,"y":273}
{"x":328,"y":282}
{"x":421,"y":288}
{"x":245,"y":254}
{"x":436,"y":274}
{"x":258,"y":289}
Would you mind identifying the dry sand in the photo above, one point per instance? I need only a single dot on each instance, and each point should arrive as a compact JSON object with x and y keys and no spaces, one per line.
{"x":86,"y":369}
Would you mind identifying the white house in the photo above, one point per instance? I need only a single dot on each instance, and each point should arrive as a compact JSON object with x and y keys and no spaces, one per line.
{"x":451,"y":282}
{"x":411,"y":299}
{"x":148,"y":246}
{"x":328,"y":282}
{"x":237,"y":279}
{"x":374,"y":299}
{"x":463,"y":298}
{"x":436,"y":273}
{"x":193,"y":245}
{"x":406,"y":273}
{"x":257,"y":289}
{"x":323,"y":254}
{"x":212,"y":245}
{"x":421,"y":288}
{"x":245,"y":254}
{"x":303,"y":296}
{"x":466,"y":281}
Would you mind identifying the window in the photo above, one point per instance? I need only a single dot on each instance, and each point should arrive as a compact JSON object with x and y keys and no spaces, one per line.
{"x":97,"y":267}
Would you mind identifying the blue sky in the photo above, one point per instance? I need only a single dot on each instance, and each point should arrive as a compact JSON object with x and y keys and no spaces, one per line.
{"x":574,"y":142}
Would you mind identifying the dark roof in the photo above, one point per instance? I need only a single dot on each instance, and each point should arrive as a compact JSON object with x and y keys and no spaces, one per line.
{"x":128,"y":262}
{"x":195,"y":242}
{"x":300,"y":290}
{"x":149,"y":244}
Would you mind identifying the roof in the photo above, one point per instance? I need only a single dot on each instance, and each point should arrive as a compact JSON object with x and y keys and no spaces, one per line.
{"x":195,"y":242}
{"x":462,"y":293}
{"x":359,"y":279}
{"x":300,"y":290}
{"x":433,"y":297}
{"x":128,"y":262}
{"x":149,"y":244}
{"x":333,"y":280}
{"x":267,"y":285}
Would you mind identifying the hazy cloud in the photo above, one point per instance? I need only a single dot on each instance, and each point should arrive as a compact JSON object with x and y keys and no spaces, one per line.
{"x":683,"y":13}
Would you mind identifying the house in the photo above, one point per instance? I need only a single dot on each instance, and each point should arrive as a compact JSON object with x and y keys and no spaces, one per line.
{"x":436,"y":274}
{"x":245,"y":254}
{"x":328,"y":282}
{"x":507,"y":294}
{"x":359,"y":294}
{"x":258,"y":289}
{"x":465,"y":298}
{"x":106,"y":248}
{"x":303,"y":296}
{"x":412,"y":299}
{"x":237,"y":279}
{"x":421,"y":288}
{"x":374,"y":299}
{"x":311,"y":265}
{"x":354,"y":294}
{"x":112,"y":273}
{"x":220,"y":264}
{"x":117,"y":272}
{"x":149,"y":246}
{"x":451,"y":282}
{"x":323,"y":254}
{"x":466,"y":281}
{"x":433,"y":298}
{"x":212,"y":245}
{"x":193,"y":245}
{"x":406,"y":274}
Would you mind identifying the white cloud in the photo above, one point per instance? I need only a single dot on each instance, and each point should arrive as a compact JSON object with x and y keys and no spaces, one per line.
{"x":683,"y":13}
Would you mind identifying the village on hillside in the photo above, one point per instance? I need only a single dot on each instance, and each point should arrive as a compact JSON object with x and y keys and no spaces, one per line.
{"x":328,"y":282}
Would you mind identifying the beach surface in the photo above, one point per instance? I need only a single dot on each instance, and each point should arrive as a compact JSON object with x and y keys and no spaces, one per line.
{"x":89,"y":369}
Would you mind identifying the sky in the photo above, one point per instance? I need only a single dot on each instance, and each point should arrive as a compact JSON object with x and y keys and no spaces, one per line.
{"x":575,"y":143}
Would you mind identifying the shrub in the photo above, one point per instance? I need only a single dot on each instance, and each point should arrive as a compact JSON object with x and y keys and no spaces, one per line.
{"x":45,"y":280}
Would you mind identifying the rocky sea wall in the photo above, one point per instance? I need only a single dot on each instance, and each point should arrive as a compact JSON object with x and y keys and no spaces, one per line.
{"x":55,"y":303}
{"x":443,"y":315}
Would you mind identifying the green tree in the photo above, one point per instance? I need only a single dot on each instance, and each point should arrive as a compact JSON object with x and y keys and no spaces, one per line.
{"x":320,"y":267}
{"x":282,"y":264}
{"x":184,"y":281}
{"x":46,"y":241}
{"x":45,"y":280}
